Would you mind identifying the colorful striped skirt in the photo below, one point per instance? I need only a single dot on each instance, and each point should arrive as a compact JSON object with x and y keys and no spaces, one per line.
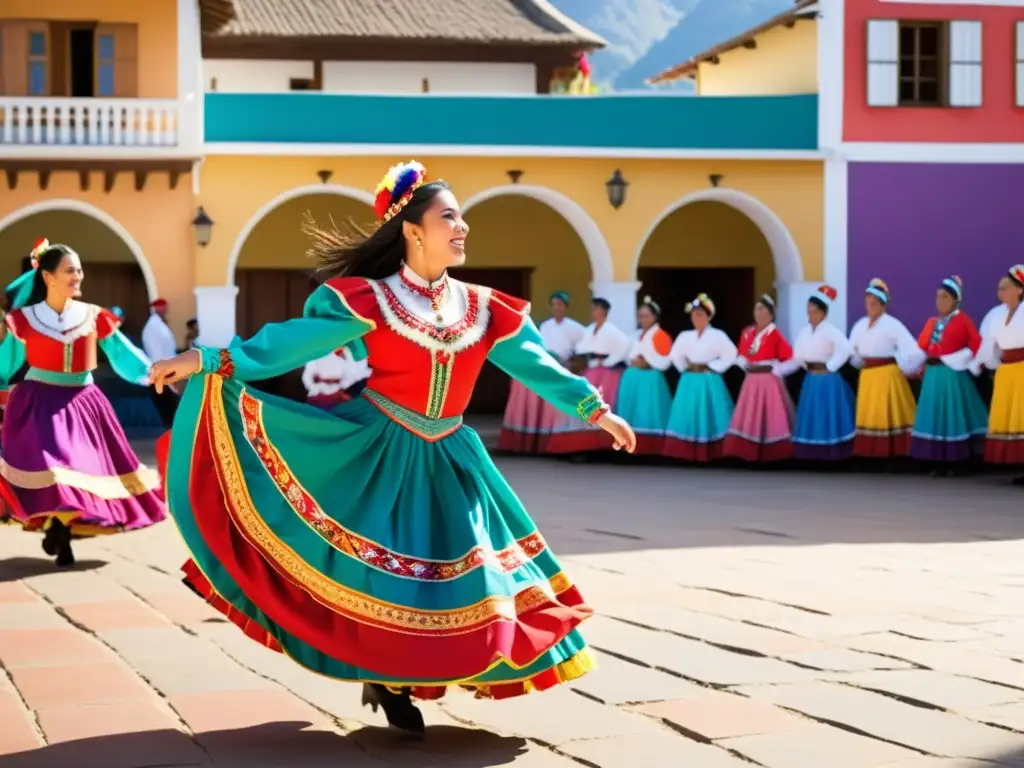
{"x":521,"y":425}
{"x":885,"y":411}
{"x":570,"y":435}
{"x":699,"y":419}
{"x":951,"y":419}
{"x":645,"y":401}
{"x":761,"y":428}
{"x":1005,"y":440}
{"x":824,"y":418}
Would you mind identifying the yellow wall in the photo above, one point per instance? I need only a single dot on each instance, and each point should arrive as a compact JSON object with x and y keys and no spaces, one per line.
{"x":711,"y":235}
{"x":158,"y":219}
{"x":235,"y":188}
{"x":785,"y":61}
{"x":157,"y":22}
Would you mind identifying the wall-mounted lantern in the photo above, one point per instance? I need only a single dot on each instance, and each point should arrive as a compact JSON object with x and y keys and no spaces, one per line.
{"x":616,"y":187}
{"x":204,"y":227}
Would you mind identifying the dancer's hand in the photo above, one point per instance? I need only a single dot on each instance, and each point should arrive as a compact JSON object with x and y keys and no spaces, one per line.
{"x":619,"y":429}
{"x":166,"y":372}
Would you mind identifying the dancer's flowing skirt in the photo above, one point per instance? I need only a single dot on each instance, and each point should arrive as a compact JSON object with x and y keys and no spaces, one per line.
{"x":371,"y":544}
{"x":1005,"y":441}
{"x":699,"y":419}
{"x":824,"y":419}
{"x":521,"y":425}
{"x":67,"y":458}
{"x":951,"y":419}
{"x":885,"y":412}
{"x":569,"y":435}
{"x":645,"y":401}
{"x":761,"y":428}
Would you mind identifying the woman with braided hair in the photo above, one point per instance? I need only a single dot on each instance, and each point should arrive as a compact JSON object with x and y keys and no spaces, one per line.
{"x":377,"y":542}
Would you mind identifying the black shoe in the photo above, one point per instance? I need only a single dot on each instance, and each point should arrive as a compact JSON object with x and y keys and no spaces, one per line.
{"x":398,"y":708}
{"x":51,"y":536}
{"x":62,"y":545}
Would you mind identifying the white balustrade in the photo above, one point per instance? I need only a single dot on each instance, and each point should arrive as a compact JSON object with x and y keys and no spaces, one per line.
{"x":44,"y":121}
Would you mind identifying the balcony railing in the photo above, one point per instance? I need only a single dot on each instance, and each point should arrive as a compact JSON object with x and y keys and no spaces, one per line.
{"x":60,"y":122}
{"x":655,"y":125}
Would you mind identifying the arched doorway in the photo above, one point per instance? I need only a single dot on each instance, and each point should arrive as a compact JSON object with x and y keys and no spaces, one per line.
{"x":522,"y":246}
{"x":114,"y":274}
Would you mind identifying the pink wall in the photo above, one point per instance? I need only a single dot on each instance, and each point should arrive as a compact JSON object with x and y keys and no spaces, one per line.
{"x":997,"y":120}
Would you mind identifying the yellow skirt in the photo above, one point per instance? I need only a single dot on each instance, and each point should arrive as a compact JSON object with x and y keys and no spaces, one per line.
{"x":1005,"y":443}
{"x":885,"y":413}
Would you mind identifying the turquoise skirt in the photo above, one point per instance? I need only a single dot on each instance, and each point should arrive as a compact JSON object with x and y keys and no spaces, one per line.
{"x":368,"y":543}
{"x":951,"y":420}
{"x":645,"y":401}
{"x":699,"y":419}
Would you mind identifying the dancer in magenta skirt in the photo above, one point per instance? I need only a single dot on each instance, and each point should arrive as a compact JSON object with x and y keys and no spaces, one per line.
{"x":67,"y":458}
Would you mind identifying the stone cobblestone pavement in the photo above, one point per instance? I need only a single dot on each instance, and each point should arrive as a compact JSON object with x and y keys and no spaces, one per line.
{"x":744,"y":619}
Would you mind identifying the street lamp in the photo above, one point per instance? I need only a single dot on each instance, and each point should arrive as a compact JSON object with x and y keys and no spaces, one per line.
{"x":204,"y":227}
{"x":616,"y":187}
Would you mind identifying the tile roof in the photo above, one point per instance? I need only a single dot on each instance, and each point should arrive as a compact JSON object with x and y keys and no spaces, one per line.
{"x":531,"y":22}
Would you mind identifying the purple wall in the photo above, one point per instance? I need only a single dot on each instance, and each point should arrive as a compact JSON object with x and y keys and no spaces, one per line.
{"x":913,"y":224}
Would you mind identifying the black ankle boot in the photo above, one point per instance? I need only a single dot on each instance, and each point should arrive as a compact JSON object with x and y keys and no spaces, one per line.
{"x":51,"y":536}
{"x":398,"y":708}
{"x":62,"y":545}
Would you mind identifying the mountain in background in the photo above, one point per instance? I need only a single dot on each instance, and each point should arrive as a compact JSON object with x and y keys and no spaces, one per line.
{"x":647,"y":36}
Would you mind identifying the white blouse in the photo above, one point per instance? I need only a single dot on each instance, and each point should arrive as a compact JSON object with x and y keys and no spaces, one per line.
{"x":561,"y":338}
{"x":1000,"y":335}
{"x":333,"y":373}
{"x":822,"y":344}
{"x":711,"y":348}
{"x":887,"y":338}
{"x":643,"y":346}
{"x":606,"y":340}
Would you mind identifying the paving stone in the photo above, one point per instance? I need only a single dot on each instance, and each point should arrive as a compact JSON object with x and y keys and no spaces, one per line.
{"x":68,"y":723}
{"x":717,"y":715}
{"x":42,"y":647}
{"x":160,"y":644}
{"x":619,"y":682}
{"x":200,"y":674}
{"x":36,"y":615}
{"x":45,"y":687}
{"x":232,"y":710}
{"x":531,"y":716}
{"x":185,"y":608}
{"x":816,"y":745}
{"x":17,"y":733}
{"x":654,"y":749}
{"x":931,"y":731}
{"x":1007,"y":715}
{"x":926,"y":629}
{"x":828,"y":628}
{"x":77,"y":588}
{"x":459,"y":747}
{"x":941,"y":762}
{"x":937,"y":688}
{"x":119,"y":614}
{"x":842,"y":660}
{"x":15,"y":592}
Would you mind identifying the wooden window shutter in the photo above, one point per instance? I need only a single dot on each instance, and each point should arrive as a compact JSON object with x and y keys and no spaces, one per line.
{"x":117,"y":61}
{"x":883,"y":76}
{"x":965,"y":85}
{"x":1020,"y":63}
{"x":15,"y":57}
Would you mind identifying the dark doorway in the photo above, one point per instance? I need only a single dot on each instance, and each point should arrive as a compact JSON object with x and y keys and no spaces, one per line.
{"x":81,"y":43}
{"x":491,"y":393}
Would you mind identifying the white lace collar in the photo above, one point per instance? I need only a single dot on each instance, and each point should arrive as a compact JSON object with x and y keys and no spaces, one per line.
{"x":407,"y":273}
{"x":78,"y":320}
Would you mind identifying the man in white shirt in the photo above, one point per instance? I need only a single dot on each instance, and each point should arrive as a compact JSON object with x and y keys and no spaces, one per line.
{"x":158,"y":343}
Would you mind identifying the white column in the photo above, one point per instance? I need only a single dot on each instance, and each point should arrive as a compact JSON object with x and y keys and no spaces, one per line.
{"x":836,"y":242}
{"x":190,"y":78}
{"x":791,"y":307}
{"x":215,"y":312}
{"x":830,"y":75}
{"x":622,"y":297}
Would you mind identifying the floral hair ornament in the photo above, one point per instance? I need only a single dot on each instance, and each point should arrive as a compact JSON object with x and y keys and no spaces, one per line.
{"x":826,"y":295}
{"x":1016,"y":273}
{"x":397,"y":188}
{"x":878,"y":289}
{"x":703,"y":301}
{"x":42,"y":246}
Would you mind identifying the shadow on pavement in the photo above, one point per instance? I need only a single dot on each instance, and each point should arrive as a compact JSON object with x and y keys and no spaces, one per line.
{"x":15,"y":568}
{"x":1013,"y":760}
{"x":276,"y":745}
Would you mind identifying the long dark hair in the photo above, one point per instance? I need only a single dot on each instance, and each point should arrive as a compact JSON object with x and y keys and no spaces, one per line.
{"x":49,"y":260}
{"x":374,"y":254}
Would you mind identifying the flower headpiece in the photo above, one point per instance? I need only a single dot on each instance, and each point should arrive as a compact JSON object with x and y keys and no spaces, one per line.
{"x":396,"y":189}
{"x":768,"y":301}
{"x":654,"y":306}
{"x":1016,"y":273}
{"x":954,"y":286}
{"x":826,"y":295}
{"x":703,"y":301}
{"x":42,"y":246}
{"x":878,"y":289}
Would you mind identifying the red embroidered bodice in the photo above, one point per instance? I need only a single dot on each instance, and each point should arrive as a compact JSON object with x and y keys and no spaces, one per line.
{"x":67,"y":347}
{"x":957,"y":333}
{"x":417,"y":365}
{"x":769,"y":345}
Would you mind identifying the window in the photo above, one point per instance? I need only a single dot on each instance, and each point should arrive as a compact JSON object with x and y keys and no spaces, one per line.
{"x":924,"y":64}
{"x":1020,"y":63}
{"x":38,"y":65}
{"x":302,"y":84}
{"x":105,"y":65}
{"x":920,"y":64}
